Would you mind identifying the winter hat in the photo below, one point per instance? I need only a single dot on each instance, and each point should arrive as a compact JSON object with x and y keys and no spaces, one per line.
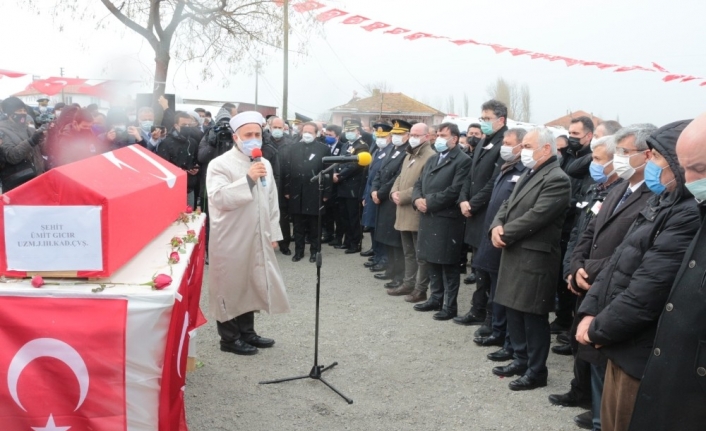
{"x":223,"y":114}
{"x":12,"y":104}
{"x":116,"y":116}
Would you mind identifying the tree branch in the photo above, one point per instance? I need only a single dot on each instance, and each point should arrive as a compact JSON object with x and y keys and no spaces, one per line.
{"x":176,"y":18}
{"x":131,"y":24}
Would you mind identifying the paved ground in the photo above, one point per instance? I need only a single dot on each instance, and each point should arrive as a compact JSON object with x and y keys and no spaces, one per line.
{"x":404,"y":370}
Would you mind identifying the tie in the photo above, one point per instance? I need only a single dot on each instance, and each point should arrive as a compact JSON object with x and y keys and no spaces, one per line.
{"x":625,"y":197}
{"x":441,"y":159}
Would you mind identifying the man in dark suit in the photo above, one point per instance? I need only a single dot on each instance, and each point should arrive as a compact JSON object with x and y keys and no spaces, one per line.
{"x":440,"y":237}
{"x":528,"y":229}
{"x":474,"y":199}
{"x":597,"y":242}
{"x":305,"y":159}
{"x":332,"y":227}
{"x":383,"y":146}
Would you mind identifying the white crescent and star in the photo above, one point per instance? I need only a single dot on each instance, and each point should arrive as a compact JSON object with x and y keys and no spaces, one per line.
{"x":50,"y":426}
{"x":51,"y":348}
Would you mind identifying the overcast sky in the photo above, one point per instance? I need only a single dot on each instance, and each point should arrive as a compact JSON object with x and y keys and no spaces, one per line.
{"x":626,"y":32}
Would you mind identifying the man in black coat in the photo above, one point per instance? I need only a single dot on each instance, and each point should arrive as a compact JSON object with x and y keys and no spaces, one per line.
{"x":440,"y":237}
{"x":475,"y":196}
{"x":599,"y":231}
{"x":383,"y":147}
{"x":385,"y":232}
{"x":350,"y":181}
{"x":274,"y":147}
{"x":332,"y":227}
{"x":672,"y":392}
{"x":528,"y":228}
{"x":181,"y":149}
{"x":620,"y":312}
{"x":304,"y":161}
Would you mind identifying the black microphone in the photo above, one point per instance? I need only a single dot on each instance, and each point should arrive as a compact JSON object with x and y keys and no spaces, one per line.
{"x":363,"y":159}
{"x":256,"y":157}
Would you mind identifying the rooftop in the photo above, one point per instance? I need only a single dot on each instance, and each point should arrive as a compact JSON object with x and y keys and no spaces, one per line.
{"x":387,"y":103}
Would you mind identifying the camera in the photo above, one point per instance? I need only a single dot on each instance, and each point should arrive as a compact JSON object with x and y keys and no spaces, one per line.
{"x":44,"y":118}
{"x":223,"y":131}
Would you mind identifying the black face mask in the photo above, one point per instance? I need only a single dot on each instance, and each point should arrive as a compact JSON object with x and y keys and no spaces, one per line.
{"x":575,"y":144}
{"x":19,"y":118}
{"x":473,"y":141}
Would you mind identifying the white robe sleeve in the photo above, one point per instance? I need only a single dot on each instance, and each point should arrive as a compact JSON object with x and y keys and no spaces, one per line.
{"x":225,"y":194}
{"x":273,"y":200}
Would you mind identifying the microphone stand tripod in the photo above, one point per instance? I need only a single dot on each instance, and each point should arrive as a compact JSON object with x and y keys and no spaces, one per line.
{"x":317,"y":370}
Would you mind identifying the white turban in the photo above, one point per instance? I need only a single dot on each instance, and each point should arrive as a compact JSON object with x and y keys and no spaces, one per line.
{"x":247,"y":117}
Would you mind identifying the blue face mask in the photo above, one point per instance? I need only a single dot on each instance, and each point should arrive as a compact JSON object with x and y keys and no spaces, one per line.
{"x":441,"y":144}
{"x":652,"y":174}
{"x":486,"y":127}
{"x":146,"y":125}
{"x":597,"y":172}
{"x":250,"y":145}
{"x":698,"y":189}
{"x":330,"y":140}
{"x":351,"y":136}
{"x":277,"y":133}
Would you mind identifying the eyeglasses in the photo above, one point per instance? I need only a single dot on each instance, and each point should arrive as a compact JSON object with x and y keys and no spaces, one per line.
{"x":625,"y":151}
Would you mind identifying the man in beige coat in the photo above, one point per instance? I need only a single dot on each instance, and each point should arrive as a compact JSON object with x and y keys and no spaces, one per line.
{"x":416,"y":281}
{"x":244,"y":276}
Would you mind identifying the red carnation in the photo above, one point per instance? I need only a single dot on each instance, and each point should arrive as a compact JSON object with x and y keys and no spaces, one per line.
{"x":37,"y":281}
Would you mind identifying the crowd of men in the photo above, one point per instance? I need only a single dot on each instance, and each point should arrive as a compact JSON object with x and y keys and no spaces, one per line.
{"x":603,"y":226}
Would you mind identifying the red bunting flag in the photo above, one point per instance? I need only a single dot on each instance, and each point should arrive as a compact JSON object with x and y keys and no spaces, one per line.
{"x":672,"y":77}
{"x":499,"y":49}
{"x":358,"y":19}
{"x":465,"y":41}
{"x":375,"y":26}
{"x":330,"y":14}
{"x":536,"y":55}
{"x":518,"y":51}
{"x":570,"y":61}
{"x":307,"y":6}
{"x":690,"y":78}
{"x":417,"y":36}
{"x":703,"y":84}
{"x":397,"y":30}
{"x":11,"y":74}
{"x":660,"y":68}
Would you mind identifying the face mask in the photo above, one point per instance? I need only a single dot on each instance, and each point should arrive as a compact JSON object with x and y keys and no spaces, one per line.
{"x":19,"y":118}
{"x":441,"y":144}
{"x":295,"y":129}
{"x":397,"y":140}
{"x":42,"y":109}
{"x":652,"y":174}
{"x":330,"y":140}
{"x":146,"y":126}
{"x":277,"y":133}
{"x":597,"y":170}
{"x":473,"y":141}
{"x":308,"y":138}
{"x":486,"y":127}
{"x":97,"y":129}
{"x":120,"y":128}
{"x":381,"y":143}
{"x":415,"y":142}
{"x":622,"y":166}
{"x":249,"y":145}
{"x":351,"y":136}
{"x":506,"y":153}
{"x":527,"y":157}
{"x":575,"y":144}
{"x":698,"y":189}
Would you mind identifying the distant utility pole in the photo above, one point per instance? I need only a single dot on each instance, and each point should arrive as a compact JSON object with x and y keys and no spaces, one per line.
{"x":61,"y":73}
{"x":285,"y":86}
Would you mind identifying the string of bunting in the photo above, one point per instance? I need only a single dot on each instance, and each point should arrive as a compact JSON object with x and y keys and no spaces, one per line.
{"x":327,"y":14}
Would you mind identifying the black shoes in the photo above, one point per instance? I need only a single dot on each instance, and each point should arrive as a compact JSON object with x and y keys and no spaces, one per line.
{"x":562,"y":349}
{"x":382,"y":276}
{"x":325,"y":239}
{"x":569,"y":399}
{"x":394,"y":284}
{"x":260,"y":342}
{"x":354,"y":249}
{"x":428,"y":306}
{"x":557,"y":328}
{"x":470,"y":279}
{"x":378,"y":268}
{"x":239,"y":347}
{"x":367,"y":253}
{"x":584,"y":420}
{"x":286,"y":251}
{"x":527,"y":383}
{"x":489,"y":341}
{"x":369,"y":264}
{"x":340,"y":246}
{"x":501,"y":355}
{"x":510,"y":370}
{"x":469,"y":319}
{"x":444,"y":315}
{"x":312,"y":258}
{"x":335,"y":243}
{"x":483,"y":331}
{"x":297,"y":257}
{"x":563,"y":338}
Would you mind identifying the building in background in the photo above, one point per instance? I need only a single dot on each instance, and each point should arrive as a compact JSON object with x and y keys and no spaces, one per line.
{"x":565,"y":121}
{"x":385,"y":107}
{"x":242,"y":106}
{"x":71,"y":94}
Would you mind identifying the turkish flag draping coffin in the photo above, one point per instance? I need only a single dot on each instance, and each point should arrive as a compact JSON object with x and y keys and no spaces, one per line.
{"x":89,"y":218}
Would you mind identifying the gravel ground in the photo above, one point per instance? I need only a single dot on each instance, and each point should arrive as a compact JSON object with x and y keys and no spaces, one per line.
{"x":404,"y":370}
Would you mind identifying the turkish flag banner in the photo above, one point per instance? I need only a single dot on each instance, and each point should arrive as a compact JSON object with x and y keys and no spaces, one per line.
{"x":62,"y":364}
{"x":358,"y":19}
{"x":330,"y":14}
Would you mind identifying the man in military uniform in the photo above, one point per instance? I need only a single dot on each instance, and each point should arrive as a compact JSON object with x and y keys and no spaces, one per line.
{"x":350,"y":179}
{"x":377,"y":254}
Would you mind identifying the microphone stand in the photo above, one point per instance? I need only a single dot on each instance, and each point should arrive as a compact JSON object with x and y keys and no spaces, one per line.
{"x":317,"y":370}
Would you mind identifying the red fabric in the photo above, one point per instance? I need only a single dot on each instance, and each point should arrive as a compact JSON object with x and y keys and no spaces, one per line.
{"x":358,"y":19}
{"x":79,"y":344}
{"x":397,"y":30}
{"x":660,"y":68}
{"x":11,"y":74}
{"x":307,"y":6}
{"x":54,"y":85}
{"x":330,"y":14}
{"x":416,"y":36}
{"x":375,"y":26}
{"x":463,"y":42}
{"x":186,"y":315}
{"x":135,"y":195}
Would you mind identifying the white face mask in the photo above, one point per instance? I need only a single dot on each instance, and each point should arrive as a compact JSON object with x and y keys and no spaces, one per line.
{"x":622,"y":166}
{"x":506,"y":153}
{"x":397,"y":140}
{"x":308,"y":138}
{"x":415,"y":142}
{"x":381,"y":143}
{"x":527,"y":157}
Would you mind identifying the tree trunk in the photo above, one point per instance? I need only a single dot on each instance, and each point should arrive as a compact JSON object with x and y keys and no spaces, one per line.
{"x":160,"y":72}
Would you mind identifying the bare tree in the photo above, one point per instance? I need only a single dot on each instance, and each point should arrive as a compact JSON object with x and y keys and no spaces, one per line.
{"x":233,"y":32}
{"x":381,"y":86}
{"x":517,"y":98}
{"x":451,"y":104}
{"x":465,"y":104}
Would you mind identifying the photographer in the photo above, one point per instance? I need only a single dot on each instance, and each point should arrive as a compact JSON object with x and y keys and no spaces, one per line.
{"x":217,"y":141}
{"x":21,"y":147}
{"x":180,"y":149}
{"x":119,"y":134}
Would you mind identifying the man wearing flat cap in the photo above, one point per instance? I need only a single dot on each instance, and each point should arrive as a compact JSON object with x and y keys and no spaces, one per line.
{"x":244,"y":276}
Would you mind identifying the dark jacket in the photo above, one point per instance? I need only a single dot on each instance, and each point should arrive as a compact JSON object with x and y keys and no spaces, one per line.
{"x":479,"y":185}
{"x":182,"y":152}
{"x":370,"y":210}
{"x":672,"y":393}
{"x":631,"y":291}
{"x":351,"y":176}
{"x":574,"y":165}
{"x":22,"y":160}
{"x":488,"y":257}
{"x":385,"y":232}
{"x":303,"y":162}
{"x":440,"y":237}
{"x":270,"y":151}
{"x":532,"y":219}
